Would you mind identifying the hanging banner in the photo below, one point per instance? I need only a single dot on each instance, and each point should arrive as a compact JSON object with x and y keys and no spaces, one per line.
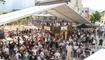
{"x":46,"y":28}
{"x":87,"y":13}
{"x":64,"y":28}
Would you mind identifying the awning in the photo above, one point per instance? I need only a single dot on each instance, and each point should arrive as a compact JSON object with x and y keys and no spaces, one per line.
{"x":67,"y":13}
{"x":100,"y":55}
{"x":61,"y":10}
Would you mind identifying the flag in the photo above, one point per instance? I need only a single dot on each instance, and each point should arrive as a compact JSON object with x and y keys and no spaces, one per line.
{"x":87,"y":13}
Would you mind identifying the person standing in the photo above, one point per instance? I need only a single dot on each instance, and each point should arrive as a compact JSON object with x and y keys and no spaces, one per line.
{"x":100,"y":43}
{"x":69,"y":50}
{"x":18,"y":41}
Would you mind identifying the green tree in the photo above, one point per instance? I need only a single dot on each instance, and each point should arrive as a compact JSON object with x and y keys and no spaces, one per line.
{"x":96,"y":16}
{"x":4,"y":12}
{"x":21,"y":20}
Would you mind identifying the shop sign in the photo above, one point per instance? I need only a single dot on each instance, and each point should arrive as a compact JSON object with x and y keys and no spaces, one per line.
{"x":64,"y":28}
{"x":46,"y":28}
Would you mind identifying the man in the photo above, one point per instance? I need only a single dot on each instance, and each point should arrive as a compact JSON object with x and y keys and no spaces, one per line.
{"x":18,"y":55}
{"x":1,"y":56}
{"x":100,"y":43}
{"x":69,"y":50}
{"x":57,"y":54}
{"x":18,"y":41}
{"x":7,"y":57}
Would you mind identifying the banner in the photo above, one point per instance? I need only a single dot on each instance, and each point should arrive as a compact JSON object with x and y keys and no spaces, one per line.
{"x":87,"y":13}
{"x":64,"y":28}
{"x":46,"y":28}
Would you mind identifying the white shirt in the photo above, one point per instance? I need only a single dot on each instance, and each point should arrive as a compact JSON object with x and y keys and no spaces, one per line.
{"x":70,"y":40}
{"x":39,"y":58}
{"x":17,"y":55}
{"x":79,"y":33}
{"x":42,"y":54}
{"x":94,"y":41}
{"x":75,"y":47}
{"x":45,"y":39}
{"x":15,"y":49}
{"x":34,"y":50}
{"x":6,"y":49}
{"x":1,"y":59}
{"x":57,"y":54}
{"x":92,"y":35}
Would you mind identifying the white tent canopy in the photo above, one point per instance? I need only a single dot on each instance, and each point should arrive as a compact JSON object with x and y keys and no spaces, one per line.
{"x":100,"y":55}
{"x":48,"y":15}
{"x":61,"y":10}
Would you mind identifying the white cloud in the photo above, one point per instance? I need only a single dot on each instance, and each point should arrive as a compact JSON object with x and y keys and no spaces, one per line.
{"x":28,"y":3}
{"x":94,"y":4}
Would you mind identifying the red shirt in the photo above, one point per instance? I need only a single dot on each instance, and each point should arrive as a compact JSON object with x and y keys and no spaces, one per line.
{"x":12,"y":33}
{"x":8,"y":31}
{"x":28,"y":42}
{"x":41,"y":40}
{"x":94,"y":30}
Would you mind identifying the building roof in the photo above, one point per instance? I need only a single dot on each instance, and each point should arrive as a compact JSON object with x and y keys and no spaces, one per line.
{"x":60,"y":10}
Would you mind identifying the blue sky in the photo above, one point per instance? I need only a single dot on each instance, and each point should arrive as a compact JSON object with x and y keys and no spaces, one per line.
{"x":17,"y":4}
{"x":94,"y":4}
{"x":21,"y":4}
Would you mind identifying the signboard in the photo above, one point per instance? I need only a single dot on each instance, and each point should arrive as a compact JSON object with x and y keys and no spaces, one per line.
{"x":46,"y":28}
{"x":64,"y":28}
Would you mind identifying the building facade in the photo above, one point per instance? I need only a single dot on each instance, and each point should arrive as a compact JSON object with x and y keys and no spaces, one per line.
{"x":76,"y":5}
{"x":103,"y":15}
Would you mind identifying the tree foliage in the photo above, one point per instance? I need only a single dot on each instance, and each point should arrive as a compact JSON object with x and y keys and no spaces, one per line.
{"x":96,"y":16}
{"x":4,"y":12}
{"x":21,"y":20}
{"x":56,"y":31}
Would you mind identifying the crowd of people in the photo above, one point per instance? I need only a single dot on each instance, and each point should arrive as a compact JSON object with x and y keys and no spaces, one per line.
{"x":42,"y":46}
